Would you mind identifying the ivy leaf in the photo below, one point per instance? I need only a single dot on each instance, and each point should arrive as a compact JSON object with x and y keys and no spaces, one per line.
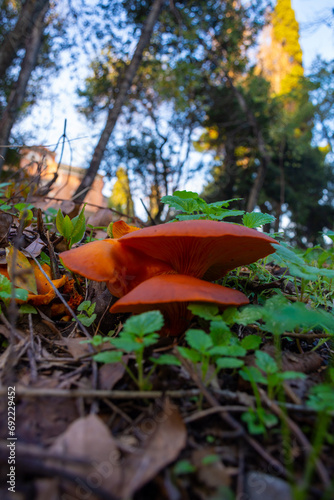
{"x":256,"y":219}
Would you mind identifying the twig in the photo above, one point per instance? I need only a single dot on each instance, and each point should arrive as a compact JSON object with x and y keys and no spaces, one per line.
{"x":98,"y":393}
{"x":211,"y":411}
{"x":31,"y":351}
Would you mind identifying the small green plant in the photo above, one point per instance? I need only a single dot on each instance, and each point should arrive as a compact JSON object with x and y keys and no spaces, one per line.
{"x":138,"y":333}
{"x":193,"y":207}
{"x":6,"y":291}
{"x":266,"y":372}
{"x":72,"y":230}
{"x":87,"y":316}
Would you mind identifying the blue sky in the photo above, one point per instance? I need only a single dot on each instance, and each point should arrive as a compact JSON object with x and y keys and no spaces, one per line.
{"x":48,"y":118}
{"x":315,"y":38}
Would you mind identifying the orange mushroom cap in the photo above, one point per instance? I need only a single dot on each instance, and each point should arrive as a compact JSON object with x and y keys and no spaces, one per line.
{"x":121,"y":228}
{"x":171,"y":294}
{"x":201,"y":248}
{"x":107,"y":260}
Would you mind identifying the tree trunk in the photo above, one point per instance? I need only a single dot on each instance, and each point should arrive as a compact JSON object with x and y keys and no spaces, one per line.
{"x":16,"y":97}
{"x":264,"y":155}
{"x":115,"y":111}
{"x":16,"y":39}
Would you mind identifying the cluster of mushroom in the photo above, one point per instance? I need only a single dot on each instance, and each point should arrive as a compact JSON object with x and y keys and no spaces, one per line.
{"x":168,"y":266}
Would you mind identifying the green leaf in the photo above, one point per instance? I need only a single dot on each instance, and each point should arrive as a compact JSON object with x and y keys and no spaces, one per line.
{"x":23,"y":206}
{"x":184,"y":195}
{"x":60,"y":222}
{"x":187,"y":205}
{"x":205,"y":311}
{"x":108,"y":357}
{"x":253,"y":374}
{"x":229,"y":363}
{"x":291,"y":374}
{"x":79,"y":227}
{"x":199,"y":340}
{"x":321,"y":397}
{"x":151,"y":321}
{"x":21,"y":294}
{"x":86,"y":320}
{"x":5,"y":287}
{"x":96,"y":341}
{"x":183,"y":467}
{"x":251,"y":342}
{"x":256,"y":219}
{"x":27,"y":309}
{"x":226,"y":213}
{"x":190,"y":354}
{"x":297,"y":266}
{"x":227,"y":350}
{"x":265,"y":362}
{"x":166,"y":359}
{"x":254,"y":425}
{"x":220,"y":333}
{"x":127,"y":344}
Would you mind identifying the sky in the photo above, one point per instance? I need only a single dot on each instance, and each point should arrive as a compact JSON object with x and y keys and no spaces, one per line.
{"x":316,"y":22}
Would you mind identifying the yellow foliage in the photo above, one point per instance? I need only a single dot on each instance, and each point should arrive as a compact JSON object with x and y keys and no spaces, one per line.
{"x":121,"y":198}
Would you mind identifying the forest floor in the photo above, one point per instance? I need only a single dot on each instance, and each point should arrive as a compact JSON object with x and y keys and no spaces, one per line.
{"x":84,"y":430}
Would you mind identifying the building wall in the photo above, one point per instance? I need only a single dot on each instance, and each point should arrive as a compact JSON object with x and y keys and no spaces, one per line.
{"x":42,"y":161}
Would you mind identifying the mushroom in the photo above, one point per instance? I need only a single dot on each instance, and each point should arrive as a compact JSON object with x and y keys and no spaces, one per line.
{"x":121,"y":228}
{"x":200,"y":248}
{"x":120,"y":267}
{"x":171,"y":294}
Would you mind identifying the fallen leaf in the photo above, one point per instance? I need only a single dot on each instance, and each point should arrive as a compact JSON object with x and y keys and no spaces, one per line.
{"x":101,"y":218}
{"x":100,"y":466}
{"x":24,"y":273}
{"x":35,"y":248}
{"x":110,"y":374}
{"x":5,"y":223}
{"x":165,"y":438}
{"x":212,"y":473}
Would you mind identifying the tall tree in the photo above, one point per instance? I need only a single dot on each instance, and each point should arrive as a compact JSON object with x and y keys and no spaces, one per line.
{"x":280,"y":57}
{"x":116,"y":108}
{"x":32,"y":47}
{"x":13,"y":40}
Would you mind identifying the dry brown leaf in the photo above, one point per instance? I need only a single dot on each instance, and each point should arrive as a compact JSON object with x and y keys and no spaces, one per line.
{"x":110,"y":374}
{"x":212,"y":474}
{"x":24,"y":273}
{"x":89,"y":440}
{"x":35,"y":248}
{"x":5,"y":223}
{"x":162,"y":446}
